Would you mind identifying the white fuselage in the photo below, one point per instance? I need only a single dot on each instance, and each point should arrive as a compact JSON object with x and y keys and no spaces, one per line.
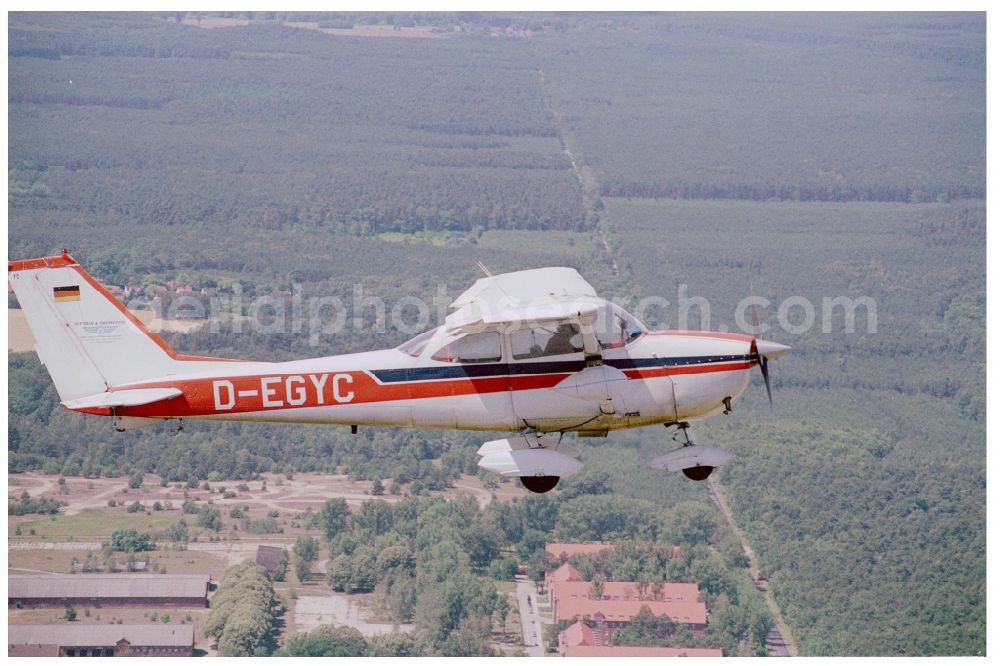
{"x":659,"y":377}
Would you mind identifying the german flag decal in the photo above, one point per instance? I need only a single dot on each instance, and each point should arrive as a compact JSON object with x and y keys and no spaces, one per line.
{"x":66,"y":294}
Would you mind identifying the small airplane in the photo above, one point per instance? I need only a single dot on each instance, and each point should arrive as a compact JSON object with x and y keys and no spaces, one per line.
{"x":536,"y":353}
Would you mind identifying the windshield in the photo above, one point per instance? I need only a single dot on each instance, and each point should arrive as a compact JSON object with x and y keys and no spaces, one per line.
{"x":415,"y":346}
{"x":614,"y":327}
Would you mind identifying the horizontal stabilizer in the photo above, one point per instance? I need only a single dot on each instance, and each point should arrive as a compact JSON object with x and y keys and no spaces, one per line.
{"x":127,"y":398}
{"x":690,"y":456}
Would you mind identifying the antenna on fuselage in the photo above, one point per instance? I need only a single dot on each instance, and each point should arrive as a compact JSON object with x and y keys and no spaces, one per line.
{"x":481,"y":266}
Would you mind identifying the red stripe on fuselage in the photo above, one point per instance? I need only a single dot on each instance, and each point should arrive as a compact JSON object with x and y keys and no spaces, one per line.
{"x":650,"y":373}
{"x":261,"y":393}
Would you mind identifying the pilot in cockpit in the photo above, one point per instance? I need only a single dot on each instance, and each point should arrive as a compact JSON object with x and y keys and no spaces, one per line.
{"x":561,"y":341}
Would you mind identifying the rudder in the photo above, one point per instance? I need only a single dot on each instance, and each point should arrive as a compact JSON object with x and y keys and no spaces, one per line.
{"x":87,"y":339}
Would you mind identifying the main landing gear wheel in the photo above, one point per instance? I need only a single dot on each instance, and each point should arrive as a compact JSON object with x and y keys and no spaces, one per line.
{"x":539,"y":484}
{"x":699,"y":473}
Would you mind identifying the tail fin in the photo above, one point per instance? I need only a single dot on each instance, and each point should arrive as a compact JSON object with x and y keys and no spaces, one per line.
{"x":85,"y":337}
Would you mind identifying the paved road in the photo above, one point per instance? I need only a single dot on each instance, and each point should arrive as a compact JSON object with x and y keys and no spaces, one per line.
{"x":531,"y":624}
{"x":782,"y":644}
{"x":776,"y":643}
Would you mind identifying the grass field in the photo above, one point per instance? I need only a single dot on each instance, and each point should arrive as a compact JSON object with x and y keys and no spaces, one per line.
{"x":87,"y":524}
{"x":170,"y":561}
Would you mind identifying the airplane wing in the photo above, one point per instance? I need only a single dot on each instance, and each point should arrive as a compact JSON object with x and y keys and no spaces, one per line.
{"x":472,"y":318}
{"x":541,"y":295}
{"x":526,"y":286}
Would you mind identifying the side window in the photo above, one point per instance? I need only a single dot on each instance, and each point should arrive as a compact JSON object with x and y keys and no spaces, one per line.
{"x":546,"y":341}
{"x":474,"y":348}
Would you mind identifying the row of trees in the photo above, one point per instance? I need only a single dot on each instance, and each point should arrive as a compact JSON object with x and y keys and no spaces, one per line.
{"x":244,"y":610}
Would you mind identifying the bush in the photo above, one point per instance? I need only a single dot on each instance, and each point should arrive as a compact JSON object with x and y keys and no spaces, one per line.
{"x":266,"y":525}
{"x":178,"y":532}
{"x":282,"y":570}
{"x":130,"y":541}
{"x":208,"y":517}
{"x":503,"y":569}
{"x":135,"y":507}
{"x":28,"y":504}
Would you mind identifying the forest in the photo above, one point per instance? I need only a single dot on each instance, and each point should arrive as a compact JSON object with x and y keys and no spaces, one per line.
{"x":793,"y":155}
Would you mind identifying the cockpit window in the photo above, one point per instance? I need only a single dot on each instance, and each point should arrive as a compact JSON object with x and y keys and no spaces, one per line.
{"x":473,"y":348}
{"x":415,"y":346}
{"x":546,"y":341}
{"x":614,"y":327}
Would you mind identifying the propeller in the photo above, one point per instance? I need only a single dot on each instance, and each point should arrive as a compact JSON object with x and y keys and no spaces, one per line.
{"x":761,"y":359}
{"x":763,"y":349}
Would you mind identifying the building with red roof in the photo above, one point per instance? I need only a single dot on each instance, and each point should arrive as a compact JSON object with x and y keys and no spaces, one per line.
{"x":620,"y":613}
{"x":575,"y":634}
{"x":573,"y":588}
{"x":621,"y":600}
{"x":581,"y":640}
{"x":565,"y":573}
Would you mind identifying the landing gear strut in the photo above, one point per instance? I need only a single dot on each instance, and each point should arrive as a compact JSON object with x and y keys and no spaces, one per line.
{"x":693,"y":472}
{"x":539,"y":484}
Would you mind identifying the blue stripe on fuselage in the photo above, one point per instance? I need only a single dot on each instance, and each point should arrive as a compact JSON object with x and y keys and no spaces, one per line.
{"x":478,"y":370}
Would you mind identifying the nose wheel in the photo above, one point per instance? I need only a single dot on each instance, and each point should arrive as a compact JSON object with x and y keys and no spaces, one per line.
{"x":697,"y":461}
{"x":699,"y":472}
{"x":539,"y":484}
